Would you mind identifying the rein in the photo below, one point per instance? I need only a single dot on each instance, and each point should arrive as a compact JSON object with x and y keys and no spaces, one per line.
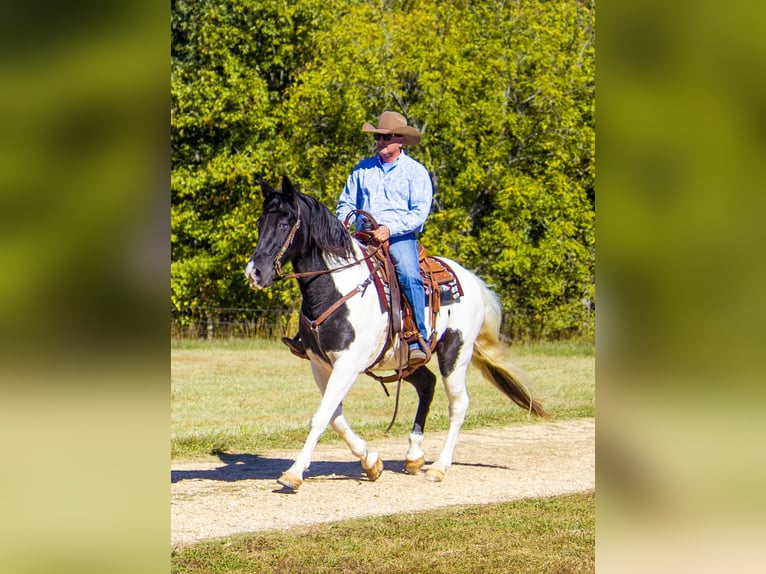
{"x":361,"y":288}
{"x":289,"y":241}
{"x":323,"y":271}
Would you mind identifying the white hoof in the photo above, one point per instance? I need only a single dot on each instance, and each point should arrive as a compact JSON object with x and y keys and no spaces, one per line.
{"x":414,"y":466}
{"x":290,"y":481}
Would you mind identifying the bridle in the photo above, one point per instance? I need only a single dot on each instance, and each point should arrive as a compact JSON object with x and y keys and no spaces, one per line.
{"x":288,"y":242}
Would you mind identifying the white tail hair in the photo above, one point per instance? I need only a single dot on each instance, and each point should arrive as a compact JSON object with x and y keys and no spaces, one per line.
{"x":490,"y":357}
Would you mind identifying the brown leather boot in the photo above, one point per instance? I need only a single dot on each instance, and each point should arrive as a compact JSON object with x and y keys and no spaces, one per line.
{"x":296,"y":346}
{"x":419,"y":354}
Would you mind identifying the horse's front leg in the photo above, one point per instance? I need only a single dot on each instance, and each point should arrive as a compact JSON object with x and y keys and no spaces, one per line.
{"x":330,"y":411}
{"x":371,"y":462}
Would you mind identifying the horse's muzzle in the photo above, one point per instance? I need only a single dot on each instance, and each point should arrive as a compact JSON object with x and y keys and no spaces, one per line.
{"x":253,"y":276}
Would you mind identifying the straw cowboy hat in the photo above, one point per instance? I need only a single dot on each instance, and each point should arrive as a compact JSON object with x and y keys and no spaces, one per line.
{"x":394,"y":123}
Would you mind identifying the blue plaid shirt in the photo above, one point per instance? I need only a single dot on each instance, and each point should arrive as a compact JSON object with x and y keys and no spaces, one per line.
{"x":398,"y":197}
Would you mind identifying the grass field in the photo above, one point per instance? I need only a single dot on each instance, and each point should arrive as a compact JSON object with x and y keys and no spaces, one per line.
{"x":251,"y":395}
{"x":542,"y":536}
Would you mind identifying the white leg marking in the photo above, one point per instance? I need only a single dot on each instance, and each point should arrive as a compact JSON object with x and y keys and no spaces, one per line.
{"x":457,"y":396}
{"x":335,"y":390}
{"x":415,"y":450}
{"x":415,"y":458}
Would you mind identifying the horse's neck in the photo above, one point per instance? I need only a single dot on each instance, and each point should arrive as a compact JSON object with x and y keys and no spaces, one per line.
{"x":321,"y":291}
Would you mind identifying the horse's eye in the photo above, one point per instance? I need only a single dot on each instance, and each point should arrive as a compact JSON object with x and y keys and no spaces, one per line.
{"x":283,"y":225}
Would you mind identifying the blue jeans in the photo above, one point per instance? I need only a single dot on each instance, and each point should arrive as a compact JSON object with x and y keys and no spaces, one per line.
{"x":404,"y":250}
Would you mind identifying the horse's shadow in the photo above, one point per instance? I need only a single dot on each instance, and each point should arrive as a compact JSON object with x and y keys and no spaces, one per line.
{"x":242,"y":466}
{"x":254,"y":467}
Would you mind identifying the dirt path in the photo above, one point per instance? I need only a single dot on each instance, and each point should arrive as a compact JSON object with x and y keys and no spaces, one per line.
{"x":238,"y":493}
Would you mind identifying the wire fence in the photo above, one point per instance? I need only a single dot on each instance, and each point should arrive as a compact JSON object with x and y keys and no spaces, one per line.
{"x":232,"y":322}
{"x":241,"y":322}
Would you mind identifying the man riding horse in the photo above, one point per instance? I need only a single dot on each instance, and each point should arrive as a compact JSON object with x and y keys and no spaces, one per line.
{"x":396,"y":190}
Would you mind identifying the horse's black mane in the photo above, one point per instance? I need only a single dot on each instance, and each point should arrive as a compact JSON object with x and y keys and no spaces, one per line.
{"x":326,"y":230}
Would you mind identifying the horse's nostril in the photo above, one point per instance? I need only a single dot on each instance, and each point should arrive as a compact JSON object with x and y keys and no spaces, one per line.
{"x":251,"y":272}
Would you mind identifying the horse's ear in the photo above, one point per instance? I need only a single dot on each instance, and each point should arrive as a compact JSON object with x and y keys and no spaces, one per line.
{"x":266,"y":189}
{"x":287,"y":188}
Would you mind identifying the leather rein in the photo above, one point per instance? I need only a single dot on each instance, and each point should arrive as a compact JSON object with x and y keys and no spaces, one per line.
{"x":289,"y":241}
{"x":361,"y":288}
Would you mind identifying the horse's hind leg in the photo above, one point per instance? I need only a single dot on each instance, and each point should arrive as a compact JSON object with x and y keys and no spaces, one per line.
{"x":453,"y":365}
{"x":424,"y":382}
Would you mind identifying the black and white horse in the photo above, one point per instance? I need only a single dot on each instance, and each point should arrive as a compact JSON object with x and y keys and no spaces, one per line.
{"x":329,"y":265}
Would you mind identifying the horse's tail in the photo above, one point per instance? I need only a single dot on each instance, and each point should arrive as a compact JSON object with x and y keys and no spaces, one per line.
{"x":489,"y":357}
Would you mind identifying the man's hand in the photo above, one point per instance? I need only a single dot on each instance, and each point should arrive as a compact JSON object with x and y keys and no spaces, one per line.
{"x":381,"y":234}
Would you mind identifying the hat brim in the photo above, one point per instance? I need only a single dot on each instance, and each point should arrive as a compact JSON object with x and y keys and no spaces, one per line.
{"x":411,"y":135}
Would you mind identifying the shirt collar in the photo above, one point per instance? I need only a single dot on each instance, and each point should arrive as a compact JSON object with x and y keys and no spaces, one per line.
{"x":387,"y":166}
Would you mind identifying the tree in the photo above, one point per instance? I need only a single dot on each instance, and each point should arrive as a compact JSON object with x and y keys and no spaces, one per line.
{"x":503,"y":93}
{"x":231,"y":63}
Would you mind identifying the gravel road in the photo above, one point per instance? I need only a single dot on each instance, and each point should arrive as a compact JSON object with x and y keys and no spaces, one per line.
{"x":236,"y":493}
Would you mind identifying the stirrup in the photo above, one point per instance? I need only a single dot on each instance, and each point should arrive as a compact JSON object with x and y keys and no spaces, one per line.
{"x":296,"y":346}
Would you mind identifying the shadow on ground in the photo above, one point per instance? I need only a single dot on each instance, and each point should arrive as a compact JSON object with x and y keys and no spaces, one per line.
{"x":243,"y":466}
{"x":256,"y":467}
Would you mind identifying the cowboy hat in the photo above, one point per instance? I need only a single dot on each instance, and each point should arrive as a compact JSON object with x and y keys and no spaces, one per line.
{"x":394,"y":123}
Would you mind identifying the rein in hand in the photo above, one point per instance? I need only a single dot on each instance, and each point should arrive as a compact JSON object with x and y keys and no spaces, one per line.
{"x":278,"y":266}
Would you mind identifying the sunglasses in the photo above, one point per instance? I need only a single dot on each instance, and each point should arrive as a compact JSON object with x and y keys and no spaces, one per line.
{"x":384,"y":137}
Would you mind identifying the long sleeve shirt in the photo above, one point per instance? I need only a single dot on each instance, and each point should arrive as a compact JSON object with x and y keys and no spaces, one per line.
{"x":398,"y":195}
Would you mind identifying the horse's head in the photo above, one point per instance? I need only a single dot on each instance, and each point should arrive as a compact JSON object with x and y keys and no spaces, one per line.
{"x":277,"y":228}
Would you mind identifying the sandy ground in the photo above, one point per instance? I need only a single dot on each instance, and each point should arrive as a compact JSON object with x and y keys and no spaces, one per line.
{"x":237,"y":493}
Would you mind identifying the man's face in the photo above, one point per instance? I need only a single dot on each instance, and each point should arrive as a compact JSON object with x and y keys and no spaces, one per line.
{"x":389,"y":146}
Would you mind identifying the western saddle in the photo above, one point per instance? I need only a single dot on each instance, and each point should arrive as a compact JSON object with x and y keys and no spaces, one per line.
{"x":442,"y":287}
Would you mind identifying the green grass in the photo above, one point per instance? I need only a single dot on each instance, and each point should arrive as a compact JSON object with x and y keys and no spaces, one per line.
{"x":253,"y":395}
{"x":550,"y":535}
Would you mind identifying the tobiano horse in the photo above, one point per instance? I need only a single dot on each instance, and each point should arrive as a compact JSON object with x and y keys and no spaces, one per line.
{"x":354,"y":338}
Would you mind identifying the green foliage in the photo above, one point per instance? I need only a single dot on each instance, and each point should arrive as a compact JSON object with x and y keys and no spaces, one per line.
{"x":502,"y":92}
